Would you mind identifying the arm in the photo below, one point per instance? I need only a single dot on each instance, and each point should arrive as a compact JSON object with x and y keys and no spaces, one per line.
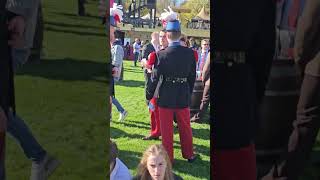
{"x":118,"y":55}
{"x":307,"y":29}
{"x":196,"y":55}
{"x":22,"y":21}
{"x":152,"y":84}
{"x":192,"y":74}
{"x":206,"y":69}
{"x":22,"y":7}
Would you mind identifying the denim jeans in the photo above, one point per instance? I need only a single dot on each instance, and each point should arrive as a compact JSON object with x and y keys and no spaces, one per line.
{"x":19,"y":57}
{"x":136,"y":58}
{"x":117,"y":104}
{"x":20,"y":132}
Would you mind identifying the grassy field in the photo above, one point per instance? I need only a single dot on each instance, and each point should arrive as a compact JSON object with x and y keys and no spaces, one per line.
{"x":63,"y":98}
{"x":128,"y":134}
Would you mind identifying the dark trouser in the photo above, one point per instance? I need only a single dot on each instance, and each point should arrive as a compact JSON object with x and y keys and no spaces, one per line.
{"x":81,"y":10}
{"x":204,"y":104}
{"x":305,"y":130}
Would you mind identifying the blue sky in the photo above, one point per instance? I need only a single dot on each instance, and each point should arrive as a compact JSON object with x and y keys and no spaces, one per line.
{"x":180,"y":1}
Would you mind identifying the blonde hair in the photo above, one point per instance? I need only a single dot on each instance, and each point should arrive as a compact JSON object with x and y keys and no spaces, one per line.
{"x":204,"y":40}
{"x":154,"y":150}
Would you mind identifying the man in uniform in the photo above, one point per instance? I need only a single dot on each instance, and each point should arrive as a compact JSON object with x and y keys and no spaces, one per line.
{"x":244,"y":40}
{"x":155,"y":132}
{"x":175,"y":72}
{"x":307,"y":123}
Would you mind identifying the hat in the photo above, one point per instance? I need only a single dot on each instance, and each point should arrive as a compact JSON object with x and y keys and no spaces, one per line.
{"x":115,"y":14}
{"x":170,"y":20}
{"x":173,"y":26}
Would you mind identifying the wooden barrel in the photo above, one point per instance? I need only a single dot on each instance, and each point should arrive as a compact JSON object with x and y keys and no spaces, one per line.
{"x":196,"y":97}
{"x":278,"y":110}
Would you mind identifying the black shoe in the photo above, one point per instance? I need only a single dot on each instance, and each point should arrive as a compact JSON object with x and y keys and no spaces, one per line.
{"x":150,"y":138}
{"x":193,"y":158}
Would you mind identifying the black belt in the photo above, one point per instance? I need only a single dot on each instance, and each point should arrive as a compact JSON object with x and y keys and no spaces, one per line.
{"x":176,"y":80}
{"x":229,"y":57}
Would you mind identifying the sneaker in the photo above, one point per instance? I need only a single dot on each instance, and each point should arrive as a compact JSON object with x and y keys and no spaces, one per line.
{"x":123,"y":115}
{"x":42,"y":170}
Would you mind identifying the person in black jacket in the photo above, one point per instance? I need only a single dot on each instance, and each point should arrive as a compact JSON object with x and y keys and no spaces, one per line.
{"x":244,"y":44}
{"x":176,"y":69}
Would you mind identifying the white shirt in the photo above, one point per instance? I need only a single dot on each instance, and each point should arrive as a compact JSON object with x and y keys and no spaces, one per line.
{"x":120,"y":171}
{"x":136,"y":48}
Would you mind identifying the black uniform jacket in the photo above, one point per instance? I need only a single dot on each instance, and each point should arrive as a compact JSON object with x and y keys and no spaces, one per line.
{"x":174,"y":62}
{"x":246,"y":26}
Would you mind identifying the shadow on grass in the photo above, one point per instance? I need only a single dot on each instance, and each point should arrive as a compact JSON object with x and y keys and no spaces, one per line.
{"x":76,"y":15}
{"x":201,"y":133}
{"x":131,"y":124}
{"x":193,"y":169}
{"x":133,"y":71}
{"x":196,"y":133}
{"x":67,"y":69}
{"x":117,"y":133}
{"x":74,"y":32}
{"x":130,"y":159}
{"x":199,"y":149}
{"x":146,"y":124}
{"x":72,"y":25}
{"x":131,"y":83}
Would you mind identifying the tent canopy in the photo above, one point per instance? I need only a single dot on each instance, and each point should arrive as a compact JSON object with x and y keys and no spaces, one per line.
{"x":202,"y":15}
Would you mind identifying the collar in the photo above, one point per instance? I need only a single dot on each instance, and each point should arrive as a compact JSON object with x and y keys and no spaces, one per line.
{"x":174,"y":43}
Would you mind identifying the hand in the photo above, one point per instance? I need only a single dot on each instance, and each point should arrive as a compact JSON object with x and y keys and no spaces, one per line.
{"x":114,"y":71}
{"x":143,"y":62}
{"x":16,"y":26}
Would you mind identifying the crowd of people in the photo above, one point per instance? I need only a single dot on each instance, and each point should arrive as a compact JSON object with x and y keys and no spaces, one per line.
{"x":171,"y":65}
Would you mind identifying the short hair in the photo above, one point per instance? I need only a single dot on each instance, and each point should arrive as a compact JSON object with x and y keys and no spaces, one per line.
{"x":184,"y":38}
{"x":174,"y":35}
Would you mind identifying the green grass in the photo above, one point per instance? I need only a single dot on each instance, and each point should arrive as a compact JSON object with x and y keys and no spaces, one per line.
{"x":63,"y":98}
{"x":128,"y":134}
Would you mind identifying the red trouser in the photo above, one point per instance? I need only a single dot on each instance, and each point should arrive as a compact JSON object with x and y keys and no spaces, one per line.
{"x":155,"y":122}
{"x":185,"y":132}
{"x":239,"y":164}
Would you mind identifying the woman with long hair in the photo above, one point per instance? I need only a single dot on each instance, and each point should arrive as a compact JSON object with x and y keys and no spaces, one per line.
{"x":155,"y":165}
